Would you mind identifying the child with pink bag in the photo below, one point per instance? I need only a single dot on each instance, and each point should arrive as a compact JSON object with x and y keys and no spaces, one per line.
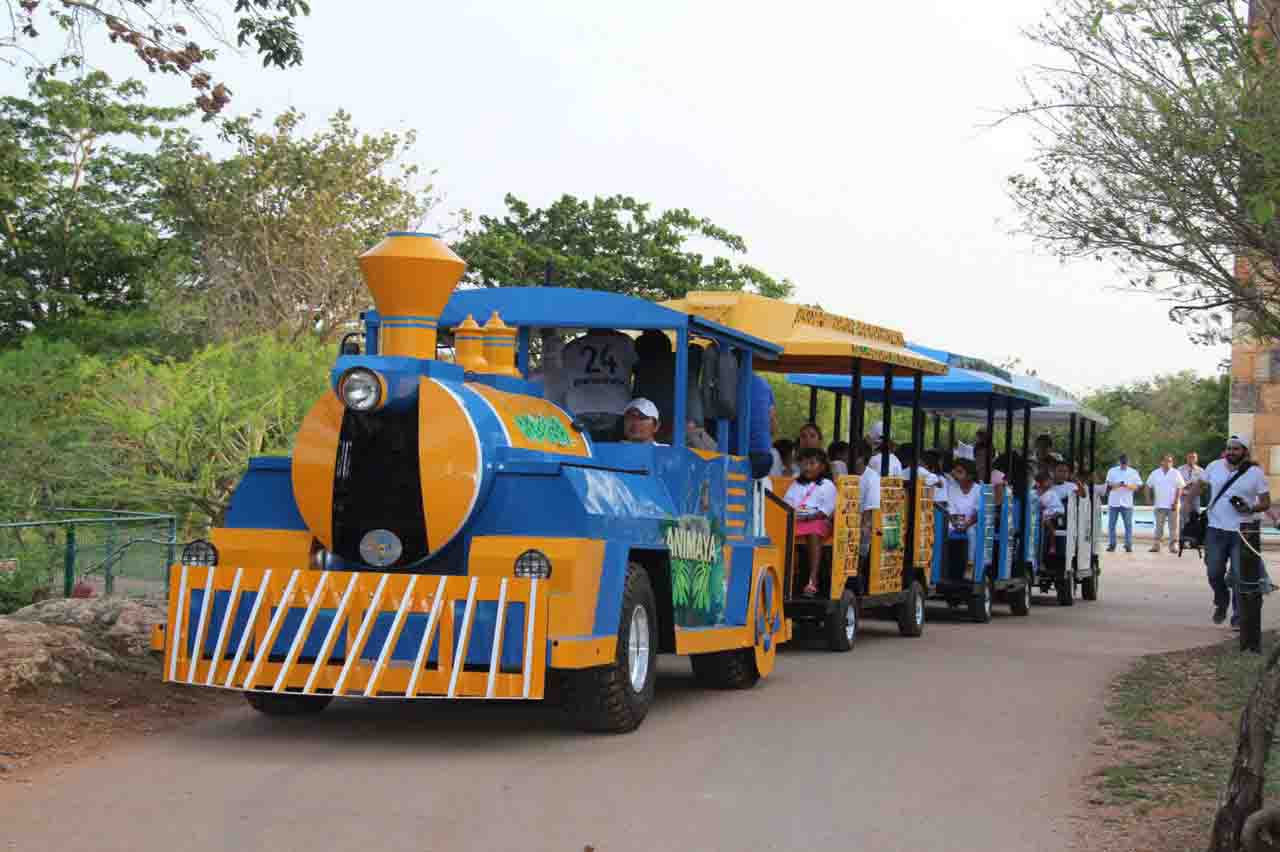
{"x":813,"y":496}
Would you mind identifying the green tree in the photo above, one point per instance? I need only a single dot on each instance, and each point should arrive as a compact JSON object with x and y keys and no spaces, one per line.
{"x":159,"y":34}
{"x":1158,"y":131}
{"x":80,"y":207}
{"x":1174,"y":413}
{"x":278,"y":226}
{"x":610,"y":243}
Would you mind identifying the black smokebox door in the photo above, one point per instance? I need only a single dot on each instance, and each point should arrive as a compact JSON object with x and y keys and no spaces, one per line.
{"x":377,"y":483}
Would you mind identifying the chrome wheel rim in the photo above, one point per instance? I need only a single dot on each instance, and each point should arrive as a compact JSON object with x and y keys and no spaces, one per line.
{"x":919,"y":610}
{"x":638,"y":648}
{"x":986,"y":600}
{"x":850,"y":622}
{"x":1026,"y":595}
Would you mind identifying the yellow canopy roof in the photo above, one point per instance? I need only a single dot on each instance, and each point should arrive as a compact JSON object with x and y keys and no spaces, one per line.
{"x":812,"y":341}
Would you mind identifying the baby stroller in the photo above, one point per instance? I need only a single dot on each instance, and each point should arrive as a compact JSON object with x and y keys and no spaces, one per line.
{"x":1192,"y":533}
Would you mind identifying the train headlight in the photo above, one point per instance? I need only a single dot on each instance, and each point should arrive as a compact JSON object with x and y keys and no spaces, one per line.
{"x":533,"y":565}
{"x":200,"y":554}
{"x":360,"y":389}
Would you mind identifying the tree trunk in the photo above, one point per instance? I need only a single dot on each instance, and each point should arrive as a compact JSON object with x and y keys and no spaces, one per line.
{"x":1243,"y":794}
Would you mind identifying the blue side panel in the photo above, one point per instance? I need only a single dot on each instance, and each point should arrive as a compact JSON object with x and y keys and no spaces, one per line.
{"x":264,"y":498}
{"x":613,"y":577}
{"x":484,"y":618}
{"x":315,"y":637}
{"x":1004,"y":539}
{"x":739,"y":596}
{"x":219,"y":611}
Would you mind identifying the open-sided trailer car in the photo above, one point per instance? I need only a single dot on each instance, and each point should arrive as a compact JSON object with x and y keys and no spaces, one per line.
{"x":975,"y":392}
{"x":893,"y":576}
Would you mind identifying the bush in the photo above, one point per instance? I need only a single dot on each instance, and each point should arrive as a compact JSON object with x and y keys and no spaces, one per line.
{"x":177,"y":436}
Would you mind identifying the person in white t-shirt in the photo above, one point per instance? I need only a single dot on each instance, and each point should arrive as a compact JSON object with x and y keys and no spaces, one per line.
{"x":1122,"y":482}
{"x":813,"y":497}
{"x":878,"y":442}
{"x":597,"y":375}
{"x":963,"y":495}
{"x":1165,"y":485}
{"x":868,"y":495}
{"x":1241,"y":503}
{"x":1052,"y":506}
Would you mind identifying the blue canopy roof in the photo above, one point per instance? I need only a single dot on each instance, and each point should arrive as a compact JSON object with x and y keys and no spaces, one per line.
{"x":958,"y":390}
{"x":569,"y":307}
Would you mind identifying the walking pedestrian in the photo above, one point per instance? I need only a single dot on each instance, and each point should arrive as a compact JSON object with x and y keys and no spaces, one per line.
{"x":1122,"y":482}
{"x":1165,"y":486}
{"x":1239,"y":493}
{"x":1193,"y":476}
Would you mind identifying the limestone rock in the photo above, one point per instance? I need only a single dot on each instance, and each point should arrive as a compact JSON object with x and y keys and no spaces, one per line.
{"x":33,"y":654}
{"x":123,"y":624}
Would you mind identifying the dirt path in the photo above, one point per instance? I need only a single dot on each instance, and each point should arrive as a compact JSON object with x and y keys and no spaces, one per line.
{"x":971,"y":738}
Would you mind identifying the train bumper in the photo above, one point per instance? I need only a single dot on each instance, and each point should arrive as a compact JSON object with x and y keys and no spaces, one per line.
{"x":357,"y":634}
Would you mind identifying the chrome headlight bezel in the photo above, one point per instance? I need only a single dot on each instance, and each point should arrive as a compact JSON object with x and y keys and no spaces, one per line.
{"x":365,"y":382}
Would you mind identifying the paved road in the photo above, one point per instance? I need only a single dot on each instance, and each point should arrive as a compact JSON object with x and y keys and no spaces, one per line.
{"x":970,"y":738}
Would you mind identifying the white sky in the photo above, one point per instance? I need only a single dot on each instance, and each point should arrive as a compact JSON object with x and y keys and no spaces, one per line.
{"x":843,"y":141}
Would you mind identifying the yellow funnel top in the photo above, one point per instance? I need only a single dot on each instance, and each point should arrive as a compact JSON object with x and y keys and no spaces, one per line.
{"x":411,"y":276}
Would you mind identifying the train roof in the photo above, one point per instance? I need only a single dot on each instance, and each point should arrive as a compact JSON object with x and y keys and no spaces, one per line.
{"x":569,"y":307}
{"x":959,"y":392}
{"x":811,"y":340}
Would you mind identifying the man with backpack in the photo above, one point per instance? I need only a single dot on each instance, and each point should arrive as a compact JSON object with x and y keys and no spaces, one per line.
{"x":1238,"y":493}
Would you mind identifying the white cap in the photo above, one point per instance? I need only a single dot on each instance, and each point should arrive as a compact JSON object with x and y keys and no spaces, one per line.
{"x":877,"y":431}
{"x":642,"y":405}
{"x":1237,"y":441}
{"x":964,"y":451}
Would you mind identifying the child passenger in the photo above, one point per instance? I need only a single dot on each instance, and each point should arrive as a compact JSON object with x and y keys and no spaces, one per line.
{"x":963,"y":494}
{"x":1051,"y":507}
{"x":813,"y":496}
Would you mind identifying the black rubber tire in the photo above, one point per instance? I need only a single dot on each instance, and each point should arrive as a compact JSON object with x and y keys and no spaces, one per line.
{"x":1020,"y":599}
{"x":602,"y":699}
{"x":980,"y":603}
{"x":911,"y":611}
{"x":1089,"y":588}
{"x":734,"y":669}
{"x":1066,"y":588}
{"x":837,"y":624}
{"x":287,"y":703}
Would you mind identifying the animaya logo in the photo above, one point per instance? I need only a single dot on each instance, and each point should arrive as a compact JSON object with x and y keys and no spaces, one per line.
{"x":699,"y":581}
{"x":542,"y":429}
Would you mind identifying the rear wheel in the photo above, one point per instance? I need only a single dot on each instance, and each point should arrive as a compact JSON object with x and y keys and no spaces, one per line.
{"x":980,"y":603}
{"x":1089,"y":588}
{"x":286,"y":703}
{"x":1067,"y":588}
{"x":616,"y":697}
{"x":842,"y":623}
{"x":1020,"y":599}
{"x":911,"y":611}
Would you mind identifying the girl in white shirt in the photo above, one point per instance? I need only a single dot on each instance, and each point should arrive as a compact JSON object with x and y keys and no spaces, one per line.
{"x":813,"y":496}
{"x":963,"y":494}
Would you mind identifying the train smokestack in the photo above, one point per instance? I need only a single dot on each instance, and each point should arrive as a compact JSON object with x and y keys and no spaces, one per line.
{"x":411,"y":275}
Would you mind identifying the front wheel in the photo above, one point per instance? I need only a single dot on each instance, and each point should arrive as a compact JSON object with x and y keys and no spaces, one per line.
{"x":1089,"y":588}
{"x":615,"y":698}
{"x":911,"y":611}
{"x":287,"y":703}
{"x":980,"y":603}
{"x":842,"y":623}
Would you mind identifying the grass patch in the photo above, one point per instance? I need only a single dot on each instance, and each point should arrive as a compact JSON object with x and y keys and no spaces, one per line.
{"x":1170,"y":737}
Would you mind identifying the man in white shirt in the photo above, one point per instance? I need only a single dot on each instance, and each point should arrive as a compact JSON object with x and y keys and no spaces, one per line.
{"x":1165,"y":485}
{"x":597,"y":372}
{"x":1246,"y":497}
{"x":1193,"y":476}
{"x":877,"y":441}
{"x":1122,"y":482}
{"x":868,"y":495}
